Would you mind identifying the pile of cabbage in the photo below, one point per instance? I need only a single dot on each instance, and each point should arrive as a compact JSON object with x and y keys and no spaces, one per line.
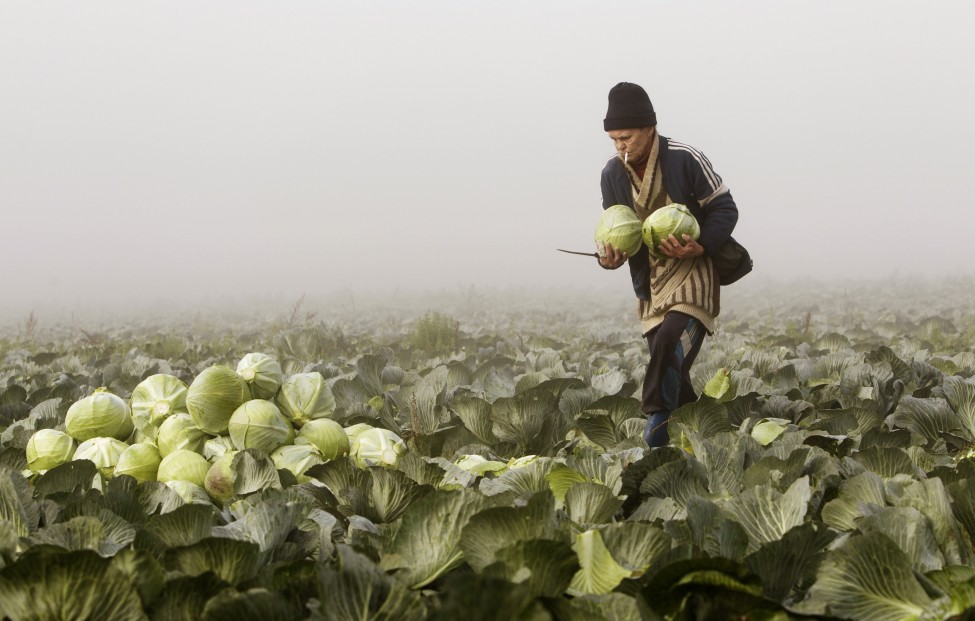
{"x":188,"y":437}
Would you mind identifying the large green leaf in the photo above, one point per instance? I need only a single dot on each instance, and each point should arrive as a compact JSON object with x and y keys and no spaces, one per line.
{"x":70,"y":585}
{"x":599,"y":428}
{"x":253,"y":471}
{"x":476,"y":416}
{"x":356,"y":588}
{"x":183,"y":598}
{"x":931,"y":499}
{"x":609,"y":607}
{"x":910,"y":530}
{"x":713,"y":531}
{"x":633,"y":545}
{"x":960,"y":394}
{"x":679,"y":480}
{"x":860,"y":495}
{"x":392,"y":492}
{"x":183,"y":526}
{"x":477,"y":597}
{"x":527,"y":419}
{"x":929,"y":418}
{"x":599,"y":572}
{"x":591,"y":503}
{"x":427,"y":544}
{"x":784,"y":563}
{"x":231,"y":560}
{"x":867,"y":578}
{"x":886,"y":461}
{"x":16,"y":503}
{"x":705,"y":416}
{"x":530,"y":478}
{"x":253,"y":604}
{"x":267,"y":523}
{"x":546,"y":567}
{"x":494,"y":528}
{"x":723,"y":458}
{"x":766,"y":515}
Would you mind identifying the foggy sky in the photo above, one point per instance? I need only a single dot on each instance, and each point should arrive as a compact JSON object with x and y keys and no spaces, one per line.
{"x":195,"y":150}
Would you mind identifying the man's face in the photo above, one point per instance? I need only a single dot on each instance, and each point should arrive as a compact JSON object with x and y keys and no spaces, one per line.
{"x":633,"y":144}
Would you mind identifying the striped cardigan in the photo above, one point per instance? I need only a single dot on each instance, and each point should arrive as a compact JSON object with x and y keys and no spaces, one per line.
{"x":689,"y":179}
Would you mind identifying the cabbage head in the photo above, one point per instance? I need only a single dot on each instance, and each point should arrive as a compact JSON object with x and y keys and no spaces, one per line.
{"x":304,"y":397}
{"x":262,"y":373}
{"x":180,"y":432}
{"x":259,"y":424}
{"x":620,"y":226}
{"x":214,"y":448}
{"x":99,"y":415}
{"x":155,"y":399}
{"x":674,"y":219}
{"x":139,"y":461}
{"x":475,"y":464}
{"x":183,"y":465}
{"x":189,"y":493}
{"x":297,"y":458}
{"x":327,"y":436}
{"x":219,"y":480}
{"x":48,"y":448}
{"x":213,"y":396}
{"x":103,"y":452}
{"x":374,"y":446}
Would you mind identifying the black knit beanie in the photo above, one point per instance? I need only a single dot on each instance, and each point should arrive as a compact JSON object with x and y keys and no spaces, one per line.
{"x":629,"y":106}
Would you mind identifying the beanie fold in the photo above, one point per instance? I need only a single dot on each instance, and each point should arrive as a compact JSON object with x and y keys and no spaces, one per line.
{"x":630,"y":122}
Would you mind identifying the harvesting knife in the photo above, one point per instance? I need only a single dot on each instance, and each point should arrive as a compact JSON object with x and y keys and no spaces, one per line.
{"x":585,"y":254}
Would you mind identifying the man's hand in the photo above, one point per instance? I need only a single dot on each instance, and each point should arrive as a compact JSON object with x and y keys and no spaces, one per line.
{"x":612,"y":258}
{"x":675,"y":250}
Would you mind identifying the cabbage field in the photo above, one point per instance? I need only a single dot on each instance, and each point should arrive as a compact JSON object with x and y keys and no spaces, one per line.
{"x":478,"y":456}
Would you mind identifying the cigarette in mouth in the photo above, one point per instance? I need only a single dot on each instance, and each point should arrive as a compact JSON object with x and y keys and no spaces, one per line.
{"x":626,"y":156}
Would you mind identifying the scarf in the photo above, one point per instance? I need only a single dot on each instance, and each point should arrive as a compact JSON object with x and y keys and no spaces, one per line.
{"x":684,"y":285}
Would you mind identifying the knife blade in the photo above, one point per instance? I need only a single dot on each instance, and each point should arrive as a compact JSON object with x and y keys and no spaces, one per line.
{"x":585,"y":254}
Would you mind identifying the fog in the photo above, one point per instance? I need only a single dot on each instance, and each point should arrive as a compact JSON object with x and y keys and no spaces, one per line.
{"x":158,"y":154}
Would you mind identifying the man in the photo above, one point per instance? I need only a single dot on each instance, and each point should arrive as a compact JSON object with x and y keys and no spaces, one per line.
{"x":677,"y":293}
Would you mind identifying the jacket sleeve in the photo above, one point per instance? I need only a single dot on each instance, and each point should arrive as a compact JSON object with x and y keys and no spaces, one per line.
{"x":715,"y":200}
{"x":606,"y":185}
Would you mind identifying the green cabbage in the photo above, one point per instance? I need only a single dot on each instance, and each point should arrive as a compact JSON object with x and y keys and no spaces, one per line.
{"x":182,"y":465}
{"x":374,"y":446}
{"x":155,"y":399}
{"x":673,"y":219}
{"x":189,"y":493}
{"x":48,"y":448}
{"x":259,"y":424}
{"x":304,"y":397}
{"x":619,"y":226}
{"x":262,"y":373}
{"x":219,"y":479}
{"x":213,"y":396}
{"x":139,"y":461}
{"x":103,"y":452}
{"x":296,"y":458}
{"x":326,"y":435}
{"x":180,"y":432}
{"x":214,"y":448}
{"x":100,"y":415}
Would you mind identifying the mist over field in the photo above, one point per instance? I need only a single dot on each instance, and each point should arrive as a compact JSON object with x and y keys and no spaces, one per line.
{"x":163,"y":157}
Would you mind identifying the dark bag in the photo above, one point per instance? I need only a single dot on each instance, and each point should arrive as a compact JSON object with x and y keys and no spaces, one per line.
{"x":732,"y":262}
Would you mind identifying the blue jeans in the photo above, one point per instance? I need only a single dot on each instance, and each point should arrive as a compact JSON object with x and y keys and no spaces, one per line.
{"x":674,"y":345}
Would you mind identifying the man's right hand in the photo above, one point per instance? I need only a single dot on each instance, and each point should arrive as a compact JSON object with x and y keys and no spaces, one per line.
{"x":612,"y":258}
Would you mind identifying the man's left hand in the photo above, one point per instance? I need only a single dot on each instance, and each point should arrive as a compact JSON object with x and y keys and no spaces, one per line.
{"x":676,"y":250}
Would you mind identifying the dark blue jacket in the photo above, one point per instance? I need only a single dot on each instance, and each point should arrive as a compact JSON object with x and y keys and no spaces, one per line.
{"x":689,"y":180}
